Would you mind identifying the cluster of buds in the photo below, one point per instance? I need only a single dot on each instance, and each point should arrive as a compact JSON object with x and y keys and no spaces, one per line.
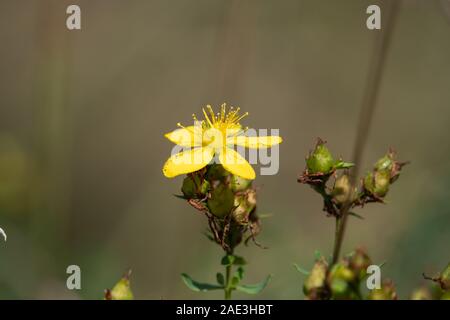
{"x":342,"y":281}
{"x":321,"y":166}
{"x":229,"y":203}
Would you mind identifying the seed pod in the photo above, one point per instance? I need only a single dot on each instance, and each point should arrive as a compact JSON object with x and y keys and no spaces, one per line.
{"x":358,"y":263}
{"x":193,"y":187}
{"x":377,"y":182}
{"x":222,"y":201}
{"x":320,"y":160}
{"x":244,"y":204}
{"x":341,"y":190}
{"x":239,"y":184}
{"x":216,"y":172}
{"x":315,"y":284}
{"x":385,"y":163}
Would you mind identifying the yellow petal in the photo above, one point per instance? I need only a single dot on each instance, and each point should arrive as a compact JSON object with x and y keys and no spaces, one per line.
{"x":233,"y":162}
{"x":187,"y":161}
{"x":257,"y":142}
{"x":186,"y":137}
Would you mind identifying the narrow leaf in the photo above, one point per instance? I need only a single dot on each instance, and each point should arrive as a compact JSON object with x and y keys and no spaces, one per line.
{"x":254,"y":288}
{"x":301,"y":270}
{"x":197,"y":286}
{"x":343,"y":165}
{"x":356,"y":215}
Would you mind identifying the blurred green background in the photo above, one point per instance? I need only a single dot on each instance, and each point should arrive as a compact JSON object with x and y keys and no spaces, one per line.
{"x":83,"y":113}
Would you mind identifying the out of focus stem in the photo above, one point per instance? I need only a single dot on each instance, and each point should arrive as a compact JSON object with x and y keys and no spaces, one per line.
{"x":367,"y":110}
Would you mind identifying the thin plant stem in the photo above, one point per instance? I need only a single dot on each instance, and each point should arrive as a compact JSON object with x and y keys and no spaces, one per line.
{"x":228,"y":282}
{"x":366,"y":115}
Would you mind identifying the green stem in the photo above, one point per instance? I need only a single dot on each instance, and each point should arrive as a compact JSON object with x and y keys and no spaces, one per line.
{"x":336,"y":247}
{"x":227,"y":288}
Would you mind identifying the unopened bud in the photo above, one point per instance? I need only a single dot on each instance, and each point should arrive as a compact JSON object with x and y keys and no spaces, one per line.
{"x":341,"y":190}
{"x":244,"y":204}
{"x":122,"y":290}
{"x":386,"y":292}
{"x":320,"y":160}
{"x":216,"y":172}
{"x":377,"y":182}
{"x":193,"y":187}
{"x":358,"y":262}
{"x":316,"y":281}
{"x":421,"y":294}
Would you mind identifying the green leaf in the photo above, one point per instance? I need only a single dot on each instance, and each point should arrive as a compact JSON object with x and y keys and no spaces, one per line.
{"x":235,"y":281}
{"x":254,"y":288}
{"x":180,"y":196}
{"x":301,"y":270}
{"x":239,"y":261}
{"x":356,"y":215}
{"x":240,"y":273}
{"x":208,"y":235}
{"x":343,"y":165}
{"x":220,"y":279}
{"x":197,"y":286}
{"x":318,"y":255}
{"x":228,"y":260}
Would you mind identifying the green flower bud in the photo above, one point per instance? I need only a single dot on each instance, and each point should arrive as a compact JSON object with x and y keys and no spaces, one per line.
{"x":377,"y":182}
{"x":421,"y":294}
{"x":358,"y":262}
{"x":222,"y":201}
{"x":386,"y":292}
{"x":193,"y":187}
{"x":385,"y":163}
{"x":339,"y":288}
{"x":239,"y":184}
{"x":341,"y":190}
{"x":244,"y":204}
{"x":122,"y":290}
{"x":216,"y":172}
{"x":316,"y":281}
{"x":321,"y":160}
{"x":341,"y":271}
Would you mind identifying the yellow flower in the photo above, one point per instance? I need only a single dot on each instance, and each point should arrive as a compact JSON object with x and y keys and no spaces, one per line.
{"x":215,"y":135}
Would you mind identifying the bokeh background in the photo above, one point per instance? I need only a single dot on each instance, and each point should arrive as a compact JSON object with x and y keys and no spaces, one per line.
{"x":83,"y":113}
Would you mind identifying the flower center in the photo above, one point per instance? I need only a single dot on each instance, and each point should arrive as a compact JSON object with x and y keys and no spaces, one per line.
{"x":217,"y":127}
